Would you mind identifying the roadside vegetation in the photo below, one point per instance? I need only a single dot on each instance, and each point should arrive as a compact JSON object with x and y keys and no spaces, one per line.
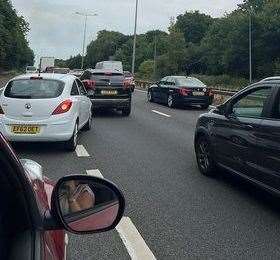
{"x":15,"y":53}
{"x":214,"y":49}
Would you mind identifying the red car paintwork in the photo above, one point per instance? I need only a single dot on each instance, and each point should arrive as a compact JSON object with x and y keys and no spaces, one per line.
{"x":53,"y":242}
{"x":97,"y":220}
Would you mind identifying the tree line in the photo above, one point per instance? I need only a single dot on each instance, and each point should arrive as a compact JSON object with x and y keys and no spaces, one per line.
{"x":197,"y":43}
{"x":14,"y":50}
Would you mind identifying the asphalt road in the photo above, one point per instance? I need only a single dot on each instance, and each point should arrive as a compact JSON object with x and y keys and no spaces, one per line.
{"x":179,"y":213}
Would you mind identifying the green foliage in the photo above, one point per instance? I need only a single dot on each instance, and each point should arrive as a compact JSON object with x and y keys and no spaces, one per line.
{"x":199,"y":44}
{"x":14,"y":50}
{"x":145,"y":70}
{"x":223,"y":81}
{"x":194,"y":25}
{"x":104,"y":47}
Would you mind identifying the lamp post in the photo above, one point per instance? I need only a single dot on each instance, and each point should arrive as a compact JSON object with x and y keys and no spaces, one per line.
{"x":86,"y":15}
{"x":134,"y":40}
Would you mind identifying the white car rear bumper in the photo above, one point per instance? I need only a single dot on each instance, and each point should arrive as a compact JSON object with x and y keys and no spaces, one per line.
{"x":55,"y":128}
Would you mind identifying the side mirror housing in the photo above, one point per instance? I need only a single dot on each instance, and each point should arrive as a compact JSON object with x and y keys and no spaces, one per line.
{"x":86,"y":204}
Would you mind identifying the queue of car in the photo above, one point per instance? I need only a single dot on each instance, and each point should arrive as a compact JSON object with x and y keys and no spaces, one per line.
{"x":241,"y":136}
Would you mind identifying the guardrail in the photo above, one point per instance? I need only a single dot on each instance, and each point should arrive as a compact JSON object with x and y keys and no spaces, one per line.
{"x":218,"y":91}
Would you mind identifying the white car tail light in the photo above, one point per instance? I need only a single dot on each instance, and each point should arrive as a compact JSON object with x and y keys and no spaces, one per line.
{"x":63,"y":107}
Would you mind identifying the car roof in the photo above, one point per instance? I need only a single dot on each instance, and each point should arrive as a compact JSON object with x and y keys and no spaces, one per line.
{"x":275,"y":78}
{"x":56,"y":76}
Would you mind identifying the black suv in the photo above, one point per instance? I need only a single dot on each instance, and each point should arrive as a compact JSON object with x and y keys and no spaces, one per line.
{"x":243,"y":136}
{"x":108,"y":89}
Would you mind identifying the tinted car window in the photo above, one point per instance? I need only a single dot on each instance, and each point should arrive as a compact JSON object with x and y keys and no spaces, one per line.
{"x":189,"y":82}
{"x":34,"y":88}
{"x":103,"y":77}
{"x":252,"y":104}
{"x":74,"y":90}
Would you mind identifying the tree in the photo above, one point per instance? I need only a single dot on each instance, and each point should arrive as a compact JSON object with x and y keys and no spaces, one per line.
{"x":14,"y":50}
{"x":193,"y":25}
{"x":104,"y":47}
{"x":145,"y":70}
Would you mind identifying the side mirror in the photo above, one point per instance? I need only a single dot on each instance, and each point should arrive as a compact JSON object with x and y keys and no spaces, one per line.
{"x":87,"y":204}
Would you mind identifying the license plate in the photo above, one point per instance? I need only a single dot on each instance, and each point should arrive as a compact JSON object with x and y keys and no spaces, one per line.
{"x":25,"y":129}
{"x":197,"y":93}
{"x":109,"y":92}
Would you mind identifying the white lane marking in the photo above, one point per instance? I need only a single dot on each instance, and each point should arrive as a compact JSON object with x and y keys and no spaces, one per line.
{"x":160,"y":113}
{"x":95,"y":173}
{"x":139,"y":90}
{"x":133,"y":241}
{"x":81,"y":151}
{"x":212,"y":107}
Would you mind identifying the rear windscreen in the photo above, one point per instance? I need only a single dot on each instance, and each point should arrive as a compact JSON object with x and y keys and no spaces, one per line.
{"x":34,"y":88}
{"x":189,"y":82}
{"x":112,"y":78}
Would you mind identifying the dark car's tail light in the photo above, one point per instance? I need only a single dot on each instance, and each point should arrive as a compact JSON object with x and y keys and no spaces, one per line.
{"x":63,"y":107}
{"x":1,"y":111}
{"x":210,"y":92}
{"x":126,"y":84}
{"x":185,"y":91}
{"x":89,"y":84}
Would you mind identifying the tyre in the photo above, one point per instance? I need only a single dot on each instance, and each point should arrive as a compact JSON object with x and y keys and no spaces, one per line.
{"x":205,"y":161}
{"x":126,"y":111}
{"x":170,"y":101}
{"x":206,"y":106}
{"x":87,"y":126}
{"x":71,"y":144}
{"x":150,"y":96}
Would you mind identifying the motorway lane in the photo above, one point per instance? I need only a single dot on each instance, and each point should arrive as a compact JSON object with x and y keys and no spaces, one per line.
{"x":179,"y":213}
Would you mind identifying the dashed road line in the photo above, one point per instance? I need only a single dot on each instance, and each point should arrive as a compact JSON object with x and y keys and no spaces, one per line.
{"x":160,"y":113}
{"x":133,"y":241}
{"x":95,"y":173}
{"x":81,"y":151}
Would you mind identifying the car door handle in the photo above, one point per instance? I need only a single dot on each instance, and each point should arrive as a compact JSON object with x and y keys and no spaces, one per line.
{"x":249,"y":127}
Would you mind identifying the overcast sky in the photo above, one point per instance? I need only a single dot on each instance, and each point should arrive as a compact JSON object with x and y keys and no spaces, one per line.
{"x":57,"y":31}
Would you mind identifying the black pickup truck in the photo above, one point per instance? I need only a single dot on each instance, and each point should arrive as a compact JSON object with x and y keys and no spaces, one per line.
{"x":108,"y":89}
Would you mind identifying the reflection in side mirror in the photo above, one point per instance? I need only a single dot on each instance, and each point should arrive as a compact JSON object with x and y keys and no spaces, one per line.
{"x":88,"y":204}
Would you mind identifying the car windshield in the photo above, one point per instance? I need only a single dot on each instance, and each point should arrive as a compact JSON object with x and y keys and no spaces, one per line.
{"x":189,"y":82}
{"x":34,"y":88}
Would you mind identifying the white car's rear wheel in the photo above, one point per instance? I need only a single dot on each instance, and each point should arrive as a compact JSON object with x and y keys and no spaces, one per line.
{"x":87,"y":126}
{"x":72,"y":143}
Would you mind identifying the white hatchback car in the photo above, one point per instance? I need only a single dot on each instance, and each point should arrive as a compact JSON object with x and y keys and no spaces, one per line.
{"x":46,"y":107}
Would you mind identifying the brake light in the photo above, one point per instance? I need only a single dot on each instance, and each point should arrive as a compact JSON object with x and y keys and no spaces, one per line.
{"x":63,"y":107}
{"x":126,"y":84}
{"x":184,"y":91}
{"x":1,"y":111}
{"x":89,"y":84}
{"x":210,"y":92}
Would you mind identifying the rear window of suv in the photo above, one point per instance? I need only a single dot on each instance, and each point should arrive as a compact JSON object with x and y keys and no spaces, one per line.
{"x":34,"y":88}
{"x":107,"y":77}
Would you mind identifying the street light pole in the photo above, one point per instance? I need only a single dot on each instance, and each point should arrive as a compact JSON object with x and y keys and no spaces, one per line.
{"x":134,"y":40}
{"x":86,"y":15}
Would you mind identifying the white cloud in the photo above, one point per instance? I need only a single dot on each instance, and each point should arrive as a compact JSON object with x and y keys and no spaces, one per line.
{"x":57,"y":31}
